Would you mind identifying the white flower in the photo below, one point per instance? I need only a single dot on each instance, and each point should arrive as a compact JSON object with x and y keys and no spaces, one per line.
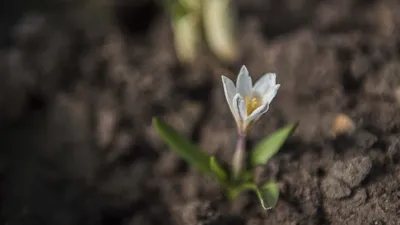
{"x":248,"y":102}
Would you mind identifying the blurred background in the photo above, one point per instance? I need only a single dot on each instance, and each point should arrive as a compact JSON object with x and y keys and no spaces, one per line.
{"x":81,"y":80}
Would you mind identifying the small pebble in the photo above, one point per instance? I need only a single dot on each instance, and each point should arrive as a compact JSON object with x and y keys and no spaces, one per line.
{"x":342,"y":124}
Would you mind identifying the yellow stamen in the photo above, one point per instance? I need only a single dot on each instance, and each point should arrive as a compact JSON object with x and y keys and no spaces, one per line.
{"x":252,"y":103}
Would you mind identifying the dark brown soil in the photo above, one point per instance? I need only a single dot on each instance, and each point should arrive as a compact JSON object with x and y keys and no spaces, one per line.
{"x":81,"y":80}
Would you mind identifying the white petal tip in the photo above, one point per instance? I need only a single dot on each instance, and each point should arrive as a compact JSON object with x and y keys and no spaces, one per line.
{"x":271,"y":76}
{"x":243,"y":70}
{"x":225,"y":78}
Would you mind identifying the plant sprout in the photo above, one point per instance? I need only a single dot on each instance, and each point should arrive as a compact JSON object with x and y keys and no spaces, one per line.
{"x":194,"y":21}
{"x":247,"y":103}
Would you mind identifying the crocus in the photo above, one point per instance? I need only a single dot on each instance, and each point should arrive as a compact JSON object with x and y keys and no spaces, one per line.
{"x":248,"y":102}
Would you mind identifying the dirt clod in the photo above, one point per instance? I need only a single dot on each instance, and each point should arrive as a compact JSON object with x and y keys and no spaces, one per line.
{"x":334,"y":188}
{"x":360,"y":197}
{"x":364,"y":139}
{"x":352,"y":172}
{"x":197,"y":213}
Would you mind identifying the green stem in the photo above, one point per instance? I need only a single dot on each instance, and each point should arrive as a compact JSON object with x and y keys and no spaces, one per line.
{"x":238,"y":159}
{"x":235,"y":191}
{"x":232,"y":193}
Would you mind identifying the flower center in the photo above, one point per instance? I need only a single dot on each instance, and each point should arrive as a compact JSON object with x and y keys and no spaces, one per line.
{"x":252,"y":103}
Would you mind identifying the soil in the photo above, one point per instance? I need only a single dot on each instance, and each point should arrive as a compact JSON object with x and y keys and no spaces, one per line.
{"x":81,"y":80}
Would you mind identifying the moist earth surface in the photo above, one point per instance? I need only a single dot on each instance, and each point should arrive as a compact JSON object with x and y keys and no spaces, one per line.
{"x":81,"y":81}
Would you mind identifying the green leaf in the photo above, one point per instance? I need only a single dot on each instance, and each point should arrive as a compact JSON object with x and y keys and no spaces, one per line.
{"x":182,"y":146}
{"x":247,"y":176}
{"x":217,"y":169}
{"x":219,"y":28}
{"x":235,"y":191}
{"x":269,"y":146}
{"x":186,"y":38}
{"x":192,"y":5}
{"x":174,"y":9}
{"x":177,"y":12}
{"x":268,"y":195}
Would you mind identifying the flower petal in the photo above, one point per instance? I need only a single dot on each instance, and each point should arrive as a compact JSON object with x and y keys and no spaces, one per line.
{"x":244,"y":83}
{"x":258,"y":112}
{"x":266,"y":82}
{"x":270,"y":94}
{"x":240,"y":107}
{"x":230,"y":92}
